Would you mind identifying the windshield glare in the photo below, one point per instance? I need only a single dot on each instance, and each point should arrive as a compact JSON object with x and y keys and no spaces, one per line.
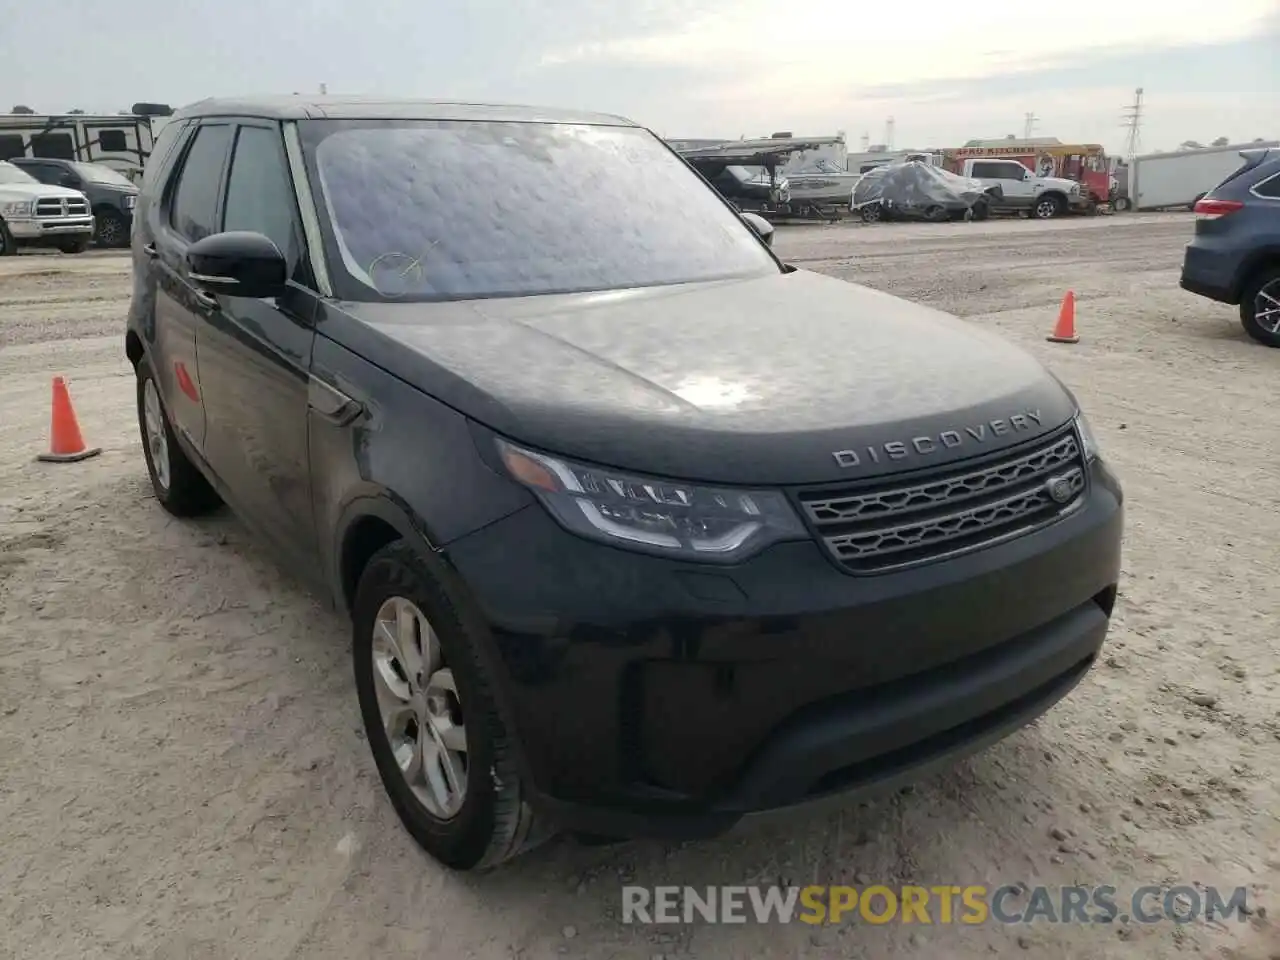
{"x":11,"y":174}
{"x":437,"y":210}
{"x":101,"y":173}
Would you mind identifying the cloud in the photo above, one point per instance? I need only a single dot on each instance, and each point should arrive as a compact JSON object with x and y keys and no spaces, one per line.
{"x":842,"y":45}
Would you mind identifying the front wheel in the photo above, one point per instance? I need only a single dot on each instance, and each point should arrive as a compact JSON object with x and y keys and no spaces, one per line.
{"x":1260,"y":307}
{"x":109,"y":230}
{"x":441,"y":749}
{"x":981,"y":211}
{"x":1047,"y":207}
{"x":7,"y":245}
{"x":1120,"y":204}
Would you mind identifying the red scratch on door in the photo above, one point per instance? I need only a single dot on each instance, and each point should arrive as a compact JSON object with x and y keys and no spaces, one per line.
{"x":185,"y":383}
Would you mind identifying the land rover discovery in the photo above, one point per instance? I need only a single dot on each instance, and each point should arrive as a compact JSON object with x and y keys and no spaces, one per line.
{"x":640,"y":529}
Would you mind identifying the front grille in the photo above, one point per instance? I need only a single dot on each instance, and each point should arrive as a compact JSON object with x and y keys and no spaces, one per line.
{"x":62,"y":208}
{"x":880,"y":526}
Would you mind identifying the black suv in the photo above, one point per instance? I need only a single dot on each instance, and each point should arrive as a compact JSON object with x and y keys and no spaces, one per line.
{"x":1234,"y":256}
{"x":111,"y":194}
{"x":640,"y":529}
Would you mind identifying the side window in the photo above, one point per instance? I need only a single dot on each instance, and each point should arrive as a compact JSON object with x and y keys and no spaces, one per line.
{"x":55,"y":146}
{"x":160,"y":150}
{"x":11,"y":146}
{"x":195,"y":201}
{"x":988,"y":171}
{"x":113,"y":141}
{"x":1009,"y":171}
{"x":1269,"y":188}
{"x":260,"y":191}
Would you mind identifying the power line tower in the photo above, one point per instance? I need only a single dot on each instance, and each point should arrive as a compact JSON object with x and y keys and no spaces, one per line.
{"x":1029,"y":125}
{"x":888,"y":134}
{"x":1133,"y":121}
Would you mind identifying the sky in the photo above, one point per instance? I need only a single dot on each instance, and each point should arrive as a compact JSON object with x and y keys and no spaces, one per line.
{"x":689,"y":68}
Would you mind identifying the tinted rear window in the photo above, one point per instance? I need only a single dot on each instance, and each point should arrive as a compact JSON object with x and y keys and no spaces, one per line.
{"x":434,"y":210}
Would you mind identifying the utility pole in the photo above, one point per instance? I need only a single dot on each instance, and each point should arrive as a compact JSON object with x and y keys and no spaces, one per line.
{"x":888,"y":134}
{"x":866,"y":141}
{"x":324,"y":89}
{"x":1133,"y":121}
{"x":1029,"y":125}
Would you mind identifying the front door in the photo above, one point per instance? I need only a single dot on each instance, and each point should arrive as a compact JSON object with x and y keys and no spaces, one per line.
{"x":1010,"y":176}
{"x":255,"y":356}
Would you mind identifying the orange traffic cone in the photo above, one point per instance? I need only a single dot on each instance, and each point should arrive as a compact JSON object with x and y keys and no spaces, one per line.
{"x":1065,"y":331}
{"x":65,"y":442}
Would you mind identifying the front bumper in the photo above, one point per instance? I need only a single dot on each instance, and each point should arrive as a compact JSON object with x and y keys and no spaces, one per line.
{"x":655,"y":698}
{"x":36,"y":229}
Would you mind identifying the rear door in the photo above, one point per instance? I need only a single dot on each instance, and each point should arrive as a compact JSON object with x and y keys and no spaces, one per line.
{"x":255,"y":355}
{"x":188,"y":211}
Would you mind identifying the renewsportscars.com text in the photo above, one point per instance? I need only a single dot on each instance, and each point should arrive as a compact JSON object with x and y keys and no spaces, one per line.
{"x":942,"y":904}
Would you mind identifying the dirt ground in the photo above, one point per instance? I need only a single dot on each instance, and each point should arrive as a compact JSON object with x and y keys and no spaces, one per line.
{"x":182,"y":772}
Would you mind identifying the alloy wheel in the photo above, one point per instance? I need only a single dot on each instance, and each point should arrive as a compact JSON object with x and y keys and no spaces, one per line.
{"x":157,"y":442}
{"x":420,"y":708}
{"x":1266,"y":307}
{"x":110,"y":231}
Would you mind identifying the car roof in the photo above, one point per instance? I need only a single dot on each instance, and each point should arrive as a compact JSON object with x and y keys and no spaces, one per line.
{"x":373,"y":108}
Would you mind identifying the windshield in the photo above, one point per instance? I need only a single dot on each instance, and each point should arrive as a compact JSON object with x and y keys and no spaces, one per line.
{"x":101,"y":173}
{"x":441,"y":210}
{"x":11,"y":174}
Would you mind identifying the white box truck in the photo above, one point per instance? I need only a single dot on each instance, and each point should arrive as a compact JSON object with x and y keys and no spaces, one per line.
{"x":1167,"y":181}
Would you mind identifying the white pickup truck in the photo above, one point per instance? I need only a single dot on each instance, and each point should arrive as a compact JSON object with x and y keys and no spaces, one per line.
{"x":1041,"y":197}
{"x":39,"y":215}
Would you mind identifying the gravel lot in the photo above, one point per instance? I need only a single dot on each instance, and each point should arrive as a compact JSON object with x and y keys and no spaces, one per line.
{"x":181,"y":768}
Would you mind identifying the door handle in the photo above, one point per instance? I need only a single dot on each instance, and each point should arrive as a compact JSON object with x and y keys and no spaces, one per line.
{"x":206,"y":300}
{"x":150,"y":250}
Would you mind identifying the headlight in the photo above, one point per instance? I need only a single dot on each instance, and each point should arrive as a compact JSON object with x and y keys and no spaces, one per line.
{"x":651,"y":515}
{"x":20,"y":208}
{"x":1088,"y":442}
{"x":130,"y":200}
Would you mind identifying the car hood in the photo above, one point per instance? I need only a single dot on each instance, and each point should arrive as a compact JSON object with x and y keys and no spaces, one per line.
{"x":761,"y":381}
{"x":37,"y":191}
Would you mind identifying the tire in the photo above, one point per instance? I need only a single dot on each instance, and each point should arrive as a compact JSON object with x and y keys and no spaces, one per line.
{"x":981,"y":211}
{"x":1262,"y":288}
{"x":1047,"y":207}
{"x":74,"y":245}
{"x":492,"y":821}
{"x":7,"y":246}
{"x":1120,"y":204}
{"x":179,"y":485}
{"x":871,"y":213}
{"x":935,"y":214}
{"x":109,"y":230}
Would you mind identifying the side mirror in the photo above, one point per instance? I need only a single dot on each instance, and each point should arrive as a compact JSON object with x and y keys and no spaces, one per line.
{"x":238,"y":264}
{"x":762,"y":227}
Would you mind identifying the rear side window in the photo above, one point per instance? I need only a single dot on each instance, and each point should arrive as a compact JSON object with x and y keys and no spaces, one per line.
{"x":195,"y":201}
{"x":1269,"y":188}
{"x":160,"y":151}
{"x":260,"y":191}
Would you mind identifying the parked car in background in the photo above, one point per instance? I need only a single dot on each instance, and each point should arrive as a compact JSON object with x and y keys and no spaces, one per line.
{"x":1025,"y":191}
{"x":36,"y":214}
{"x":1234,"y":257}
{"x":619,"y":556}
{"x":111,"y":194}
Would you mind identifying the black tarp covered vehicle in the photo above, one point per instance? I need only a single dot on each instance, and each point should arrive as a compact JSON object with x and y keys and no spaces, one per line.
{"x":915,"y":190}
